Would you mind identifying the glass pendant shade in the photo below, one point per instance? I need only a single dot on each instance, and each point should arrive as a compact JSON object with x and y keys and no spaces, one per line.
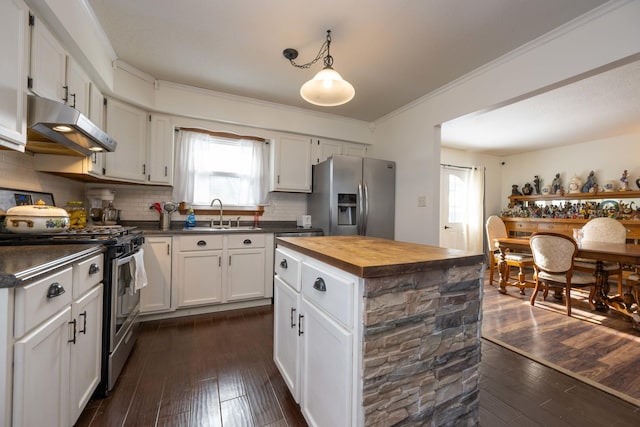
{"x":327,"y":89}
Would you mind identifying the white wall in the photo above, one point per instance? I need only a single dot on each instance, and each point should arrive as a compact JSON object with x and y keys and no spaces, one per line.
{"x":410,"y":135}
{"x":608,"y":158}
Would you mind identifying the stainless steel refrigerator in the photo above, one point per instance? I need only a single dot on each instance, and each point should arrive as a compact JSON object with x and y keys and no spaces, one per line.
{"x":354,"y":195}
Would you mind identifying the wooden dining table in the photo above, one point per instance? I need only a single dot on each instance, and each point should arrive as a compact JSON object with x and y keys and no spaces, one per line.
{"x":624,"y":253}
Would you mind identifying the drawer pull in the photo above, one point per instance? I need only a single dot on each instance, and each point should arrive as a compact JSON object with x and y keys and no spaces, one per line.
{"x":55,"y":290}
{"x":293,"y":316}
{"x":74,"y":323}
{"x":300,"y":331}
{"x":94,"y":268}
{"x":319,"y":285}
{"x":84,"y":322}
{"x":283,"y":263}
{"x":247,"y":241}
{"x":201,"y":243}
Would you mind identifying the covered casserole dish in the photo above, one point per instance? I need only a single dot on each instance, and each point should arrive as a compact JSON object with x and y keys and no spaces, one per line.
{"x":38,"y":218}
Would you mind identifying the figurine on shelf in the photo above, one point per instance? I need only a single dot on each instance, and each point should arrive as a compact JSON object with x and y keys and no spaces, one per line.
{"x":527,"y":189}
{"x":590,"y":185}
{"x":624,"y":181}
{"x":536,"y":183}
{"x":556,"y":184}
{"x":515,"y":191}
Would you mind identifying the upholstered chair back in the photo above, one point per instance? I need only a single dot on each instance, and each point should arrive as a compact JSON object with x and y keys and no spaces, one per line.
{"x":604,"y":230}
{"x":495,"y":230}
{"x":552,"y":252}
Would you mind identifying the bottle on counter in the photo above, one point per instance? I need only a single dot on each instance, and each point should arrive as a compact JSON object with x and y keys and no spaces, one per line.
{"x":191,"y":218}
{"x":77,"y":214}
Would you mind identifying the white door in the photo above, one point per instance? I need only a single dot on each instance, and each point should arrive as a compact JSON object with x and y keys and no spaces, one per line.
{"x":245,"y":274}
{"x":453,"y":207}
{"x":156,"y":296}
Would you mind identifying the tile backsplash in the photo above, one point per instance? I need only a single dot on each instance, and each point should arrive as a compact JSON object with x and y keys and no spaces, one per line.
{"x":134,"y":203}
{"x":17,"y":171}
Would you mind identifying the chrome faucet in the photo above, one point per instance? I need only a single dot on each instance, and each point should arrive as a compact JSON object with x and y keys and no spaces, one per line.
{"x":221,"y":212}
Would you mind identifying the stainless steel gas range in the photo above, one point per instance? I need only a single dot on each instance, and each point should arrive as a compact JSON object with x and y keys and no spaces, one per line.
{"x":121,"y":303}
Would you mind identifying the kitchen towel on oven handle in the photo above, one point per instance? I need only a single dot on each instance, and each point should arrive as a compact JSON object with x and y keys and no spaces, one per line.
{"x":138,"y":272}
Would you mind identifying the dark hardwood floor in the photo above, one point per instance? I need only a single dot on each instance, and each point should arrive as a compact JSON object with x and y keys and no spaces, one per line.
{"x":217,"y":370}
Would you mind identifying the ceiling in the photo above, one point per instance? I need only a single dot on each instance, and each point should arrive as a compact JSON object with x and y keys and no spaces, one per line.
{"x":393,"y":52}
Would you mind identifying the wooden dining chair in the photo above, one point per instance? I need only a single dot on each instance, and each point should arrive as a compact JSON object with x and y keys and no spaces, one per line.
{"x":603,"y":230}
{"x":496,"y":229}
{"x":553,"y":257}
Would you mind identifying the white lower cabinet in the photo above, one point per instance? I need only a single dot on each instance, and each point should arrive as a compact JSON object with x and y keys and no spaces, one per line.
{"x":286,"y":345}
{"x":156,"y":296}
{"x":315,"y":337}
{"x":41,"y":374}
{"x":57,"y":346}
{"x":220,"y":268}
{"x":85,"y":352}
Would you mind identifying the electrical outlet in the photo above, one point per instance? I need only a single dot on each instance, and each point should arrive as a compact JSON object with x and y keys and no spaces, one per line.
{"x":422,"y":201}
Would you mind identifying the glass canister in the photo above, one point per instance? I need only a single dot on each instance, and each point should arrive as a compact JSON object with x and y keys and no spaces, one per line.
{"x":77,"y":214}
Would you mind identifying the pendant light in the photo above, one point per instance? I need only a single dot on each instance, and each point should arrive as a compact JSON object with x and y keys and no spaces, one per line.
{"x":327,"y":88}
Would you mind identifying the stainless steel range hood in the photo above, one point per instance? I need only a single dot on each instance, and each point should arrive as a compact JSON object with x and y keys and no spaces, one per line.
{"x":56,"y":128}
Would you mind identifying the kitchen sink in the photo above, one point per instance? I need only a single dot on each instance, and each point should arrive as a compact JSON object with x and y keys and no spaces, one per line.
{"x":221,"y":229}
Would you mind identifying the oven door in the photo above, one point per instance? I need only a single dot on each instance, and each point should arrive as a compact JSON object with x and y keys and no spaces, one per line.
{"x":125,"y":301}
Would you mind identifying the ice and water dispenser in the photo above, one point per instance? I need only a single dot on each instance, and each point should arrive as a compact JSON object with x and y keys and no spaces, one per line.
{"x":347,"y":204}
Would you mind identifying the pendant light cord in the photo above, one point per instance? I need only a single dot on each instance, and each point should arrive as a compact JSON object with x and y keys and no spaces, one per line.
{"x":328,"y":60}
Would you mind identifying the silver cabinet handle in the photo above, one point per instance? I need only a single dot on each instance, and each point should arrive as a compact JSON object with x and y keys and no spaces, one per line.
{"x":283,"y":263}
{"x":55,"y":290}
{"x":319,"y":285}
{"x":94,"y":268}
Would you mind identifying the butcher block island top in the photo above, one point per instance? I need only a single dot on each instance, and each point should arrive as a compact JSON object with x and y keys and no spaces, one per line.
{"x":369,"y":257}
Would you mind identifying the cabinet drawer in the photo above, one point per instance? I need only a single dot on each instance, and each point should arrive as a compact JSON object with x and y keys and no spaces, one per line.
{"x":32,"y":304}
{"x":243,"y":241}
{"x":287,"y":267}
{"x":330,"y":292}
{"x":201,"y":242}
{"x":87,"y":274}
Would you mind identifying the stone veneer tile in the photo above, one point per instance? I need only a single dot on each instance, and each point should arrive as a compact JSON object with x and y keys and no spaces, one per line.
{"x":421,"y":348}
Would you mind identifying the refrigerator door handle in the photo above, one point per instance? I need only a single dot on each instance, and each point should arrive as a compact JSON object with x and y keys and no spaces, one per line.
{"x":366,"y":209}
{"x":360,"y":220}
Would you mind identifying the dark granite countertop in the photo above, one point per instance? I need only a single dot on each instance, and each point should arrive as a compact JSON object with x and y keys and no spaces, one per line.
{"x":372,"y":257}
{"x":21,"y":263}
{"x":151,"y":228}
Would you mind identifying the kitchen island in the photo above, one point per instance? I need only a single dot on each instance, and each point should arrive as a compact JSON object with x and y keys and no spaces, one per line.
{"x":382,"y":332}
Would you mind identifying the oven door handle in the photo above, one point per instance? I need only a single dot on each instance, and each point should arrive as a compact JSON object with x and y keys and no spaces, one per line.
{"x":125,"y":260}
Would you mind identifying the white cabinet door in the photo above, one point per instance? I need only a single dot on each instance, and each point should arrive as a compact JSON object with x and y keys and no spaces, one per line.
{"x":128,"y":126}
{"x":199,"y":277}
{"x":86,"y":352}
{"x":79,"y":87}
{"x":245,"y":274}
{"x":41,"y":374}
{"x":291,"y":164}
{"x":156,"y":296}
{"x":13,"y":73}
{"x":322,"y":149}
{"x":286,"y":344}
{"x":352,"y":149}
{"x":327,"y":373}
{"x":48,"y":64}
{"x":160,"y":151}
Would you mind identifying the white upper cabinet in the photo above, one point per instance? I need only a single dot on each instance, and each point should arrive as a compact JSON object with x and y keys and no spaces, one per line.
{"x":128,"y":126}
{"x":53,"y":73}
{"x":354,"y":149}
{"x":14,"y":19}
{"x":322,"y":149}
{"x":291,"y":164}
{"x":160,"y":151}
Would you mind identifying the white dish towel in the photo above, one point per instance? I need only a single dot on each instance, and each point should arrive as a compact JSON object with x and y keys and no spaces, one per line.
{"x":138,"y":272}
